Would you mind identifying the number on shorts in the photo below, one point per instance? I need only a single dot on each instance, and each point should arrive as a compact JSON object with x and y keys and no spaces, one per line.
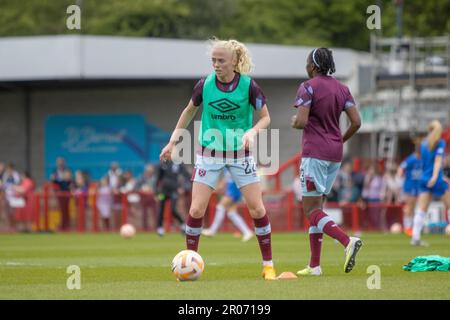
{"x":249,"y":167}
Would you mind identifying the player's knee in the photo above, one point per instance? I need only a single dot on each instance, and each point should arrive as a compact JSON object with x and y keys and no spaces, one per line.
{"x":196,"y":212}
{"x":257,"y":212}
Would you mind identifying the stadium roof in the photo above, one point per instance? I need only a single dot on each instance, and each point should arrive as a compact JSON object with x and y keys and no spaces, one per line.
{"x":75,"y":57}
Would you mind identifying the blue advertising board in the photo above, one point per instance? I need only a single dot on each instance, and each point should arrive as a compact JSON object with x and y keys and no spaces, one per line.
{"x":91,"y":142}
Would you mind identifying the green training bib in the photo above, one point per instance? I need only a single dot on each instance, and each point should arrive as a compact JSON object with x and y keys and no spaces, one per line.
{"x":226,"y":116}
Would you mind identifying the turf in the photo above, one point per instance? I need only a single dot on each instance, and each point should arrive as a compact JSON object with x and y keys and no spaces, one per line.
{"x":33,"y":266}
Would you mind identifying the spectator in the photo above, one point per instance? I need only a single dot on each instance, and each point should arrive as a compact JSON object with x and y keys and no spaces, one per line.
{"x":11,"y":179}
{"x":81,"y":183}
{"x":392,"y":186}
{"x":105,"y":198}
{"x":64,"y":183}
{"x":115,"y":176}
{"x":58,"y":173}
{"x":358,"y":183}
{"x":115,"y":182}
{"x":129,"y":190}
{"x":25,"y":190}
{"x":346,"y":190}
{"x":345,"y":184}
{"x":372,"y":191}
{"x":81,"y":187}
{"x":146,"y":186}
{"x":147,"y":181}
{"x":129,"y":183}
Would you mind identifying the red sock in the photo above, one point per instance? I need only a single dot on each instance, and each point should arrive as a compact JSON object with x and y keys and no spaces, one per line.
{"x":193,"y":231}
{"x":323,"y":221}
{"x":315,"y":243}
{"x":263,"y":233}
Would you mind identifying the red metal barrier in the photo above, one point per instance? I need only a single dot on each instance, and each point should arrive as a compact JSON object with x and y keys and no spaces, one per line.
{"x":81,"y":204}
{"x":124,"y":215}
{"x":37,"y":211}
{"x":290,"y":210}
{"x":292,"y":162}
{"x":167,"y":214}
{"x":355,"y":218}
{"x":285,"y":212}
{"x":46,"y":208}
{"x":94,"y":213}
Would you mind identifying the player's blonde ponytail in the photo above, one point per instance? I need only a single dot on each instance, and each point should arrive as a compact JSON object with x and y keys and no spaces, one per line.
{"x":244,"y":63}
{"x":435,"y":132}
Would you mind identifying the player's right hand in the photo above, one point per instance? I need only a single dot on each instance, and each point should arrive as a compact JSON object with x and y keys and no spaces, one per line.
{"x":432,"y":182}
{"x":166,"y":152}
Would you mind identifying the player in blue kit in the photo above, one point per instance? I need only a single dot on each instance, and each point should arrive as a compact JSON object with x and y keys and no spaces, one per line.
{"x":228,"y":204}
{"x":432,"y":182}
{"x":411,"y":170}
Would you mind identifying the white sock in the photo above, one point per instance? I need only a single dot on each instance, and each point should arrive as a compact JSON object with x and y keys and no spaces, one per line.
{"x":239,"y":222}
{"x":218,"y":219}
{"x":419,"y":220}
{"x":407,"y":221}
{"x":268,"y":263}
{"x":448,"y":215}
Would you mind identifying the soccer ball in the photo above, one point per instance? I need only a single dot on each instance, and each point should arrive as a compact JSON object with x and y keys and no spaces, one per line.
{"x":396,"y":228}
{"x":187,"y":265}
{"x":447,"y":230}
{"x":127,"y":231}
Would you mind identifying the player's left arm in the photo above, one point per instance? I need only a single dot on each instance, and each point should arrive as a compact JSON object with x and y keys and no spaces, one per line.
{"x":300,"y":120}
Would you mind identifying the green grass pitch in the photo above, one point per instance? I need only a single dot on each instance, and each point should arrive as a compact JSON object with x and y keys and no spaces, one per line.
{"x":34,"y":266}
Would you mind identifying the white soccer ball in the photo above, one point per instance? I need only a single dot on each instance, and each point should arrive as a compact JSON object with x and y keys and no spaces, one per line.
{"x":396,"y":228}
{"x":127,"y":231}
{"x":447,"y":230}
{"x":187,"y":265}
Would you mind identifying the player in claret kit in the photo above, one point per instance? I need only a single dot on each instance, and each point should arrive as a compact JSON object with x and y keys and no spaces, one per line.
{"x":229,"y":97}
{"x":432,"y":182}
{"x":320,"y":102}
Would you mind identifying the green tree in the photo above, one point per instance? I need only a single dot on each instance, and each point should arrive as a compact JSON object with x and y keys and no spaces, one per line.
{"x":338,"y":23}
